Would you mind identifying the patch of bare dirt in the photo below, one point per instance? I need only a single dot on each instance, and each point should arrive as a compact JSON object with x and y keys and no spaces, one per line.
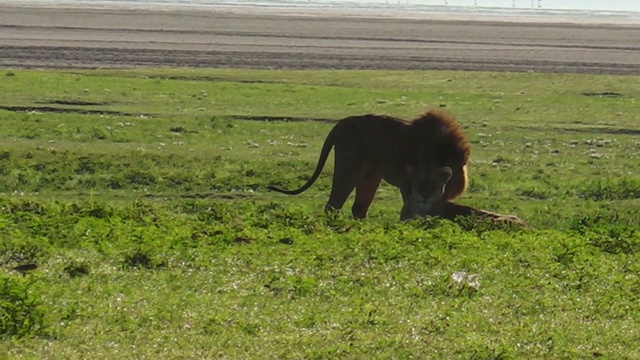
{"x":98,"y":38}
{"x":66,"y":110}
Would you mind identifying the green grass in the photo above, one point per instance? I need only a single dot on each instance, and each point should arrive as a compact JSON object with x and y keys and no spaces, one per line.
{"x":140,"y":195}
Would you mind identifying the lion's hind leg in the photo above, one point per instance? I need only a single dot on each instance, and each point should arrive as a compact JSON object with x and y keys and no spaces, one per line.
{"x":349,"y":168}
{"x":345,"y":176}
{"x":338,"y":196}
{"x":365,"y":191}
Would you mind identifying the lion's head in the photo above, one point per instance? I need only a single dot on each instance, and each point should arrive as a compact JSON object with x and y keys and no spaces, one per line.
{"x":438,"y":142}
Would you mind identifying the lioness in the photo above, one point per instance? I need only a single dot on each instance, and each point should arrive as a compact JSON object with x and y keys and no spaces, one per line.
{"x":406,"y":154}
{"x":418,"y":205}
{"x":427,"y":194}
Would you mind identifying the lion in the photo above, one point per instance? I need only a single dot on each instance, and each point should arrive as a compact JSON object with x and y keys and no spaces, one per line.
{"x":436,"y":204}
{"x":406,"y":154}
{"x":427,"y":193}
{"x":448,"y":210}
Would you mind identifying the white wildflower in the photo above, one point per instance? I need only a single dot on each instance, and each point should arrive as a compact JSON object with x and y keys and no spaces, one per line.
{"x":465,"y":279}
{"x":300,"y":145}
{"x":252,"y":144}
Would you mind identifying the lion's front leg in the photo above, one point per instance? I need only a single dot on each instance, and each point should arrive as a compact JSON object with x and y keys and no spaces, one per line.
{"x":406,"y":212}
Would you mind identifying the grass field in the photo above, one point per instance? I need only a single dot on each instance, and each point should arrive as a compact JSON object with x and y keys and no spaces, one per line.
{"x":141,"y":196}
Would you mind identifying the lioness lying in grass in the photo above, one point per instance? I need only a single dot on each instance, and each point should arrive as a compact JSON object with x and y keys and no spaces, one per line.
{"x":435,"y":203}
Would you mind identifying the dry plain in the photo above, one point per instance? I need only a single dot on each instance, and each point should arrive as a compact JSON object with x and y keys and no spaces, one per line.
{"x":58,"y":37}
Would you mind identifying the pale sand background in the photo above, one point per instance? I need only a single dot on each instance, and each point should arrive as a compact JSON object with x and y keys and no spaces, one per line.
{"x":256,"y":37}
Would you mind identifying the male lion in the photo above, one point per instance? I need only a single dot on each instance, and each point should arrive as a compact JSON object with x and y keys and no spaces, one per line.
{"x":407,"y":155}
{"x":418,"y":205}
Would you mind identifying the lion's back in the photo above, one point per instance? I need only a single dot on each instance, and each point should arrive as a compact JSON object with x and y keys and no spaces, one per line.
{"x":380,"y":137}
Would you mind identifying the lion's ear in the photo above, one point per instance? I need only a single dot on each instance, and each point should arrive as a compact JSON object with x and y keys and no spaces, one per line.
{"x":445,"y":173}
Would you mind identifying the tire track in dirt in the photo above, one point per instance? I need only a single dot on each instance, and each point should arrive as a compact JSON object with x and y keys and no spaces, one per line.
{"x":80,"y":57}
{"x":337,"y":38}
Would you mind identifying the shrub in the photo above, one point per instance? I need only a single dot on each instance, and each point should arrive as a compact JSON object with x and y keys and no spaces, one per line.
{"x":21,"y":314}
{"x":608,"y":234}
{"x":76,"y":269}
{"x":141,"y":259}
{"x":622,"y":189}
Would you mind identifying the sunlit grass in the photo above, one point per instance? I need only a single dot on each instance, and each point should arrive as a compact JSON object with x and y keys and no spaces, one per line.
{"x":142,"y":201}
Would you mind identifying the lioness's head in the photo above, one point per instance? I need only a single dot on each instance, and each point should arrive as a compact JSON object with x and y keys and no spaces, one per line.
{"x":427,"y":191}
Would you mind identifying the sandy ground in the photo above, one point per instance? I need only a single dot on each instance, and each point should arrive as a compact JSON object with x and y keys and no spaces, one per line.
{"x":228,"y":37}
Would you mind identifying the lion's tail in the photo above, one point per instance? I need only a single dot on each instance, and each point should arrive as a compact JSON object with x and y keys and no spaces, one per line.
{"x":324,"y":154}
